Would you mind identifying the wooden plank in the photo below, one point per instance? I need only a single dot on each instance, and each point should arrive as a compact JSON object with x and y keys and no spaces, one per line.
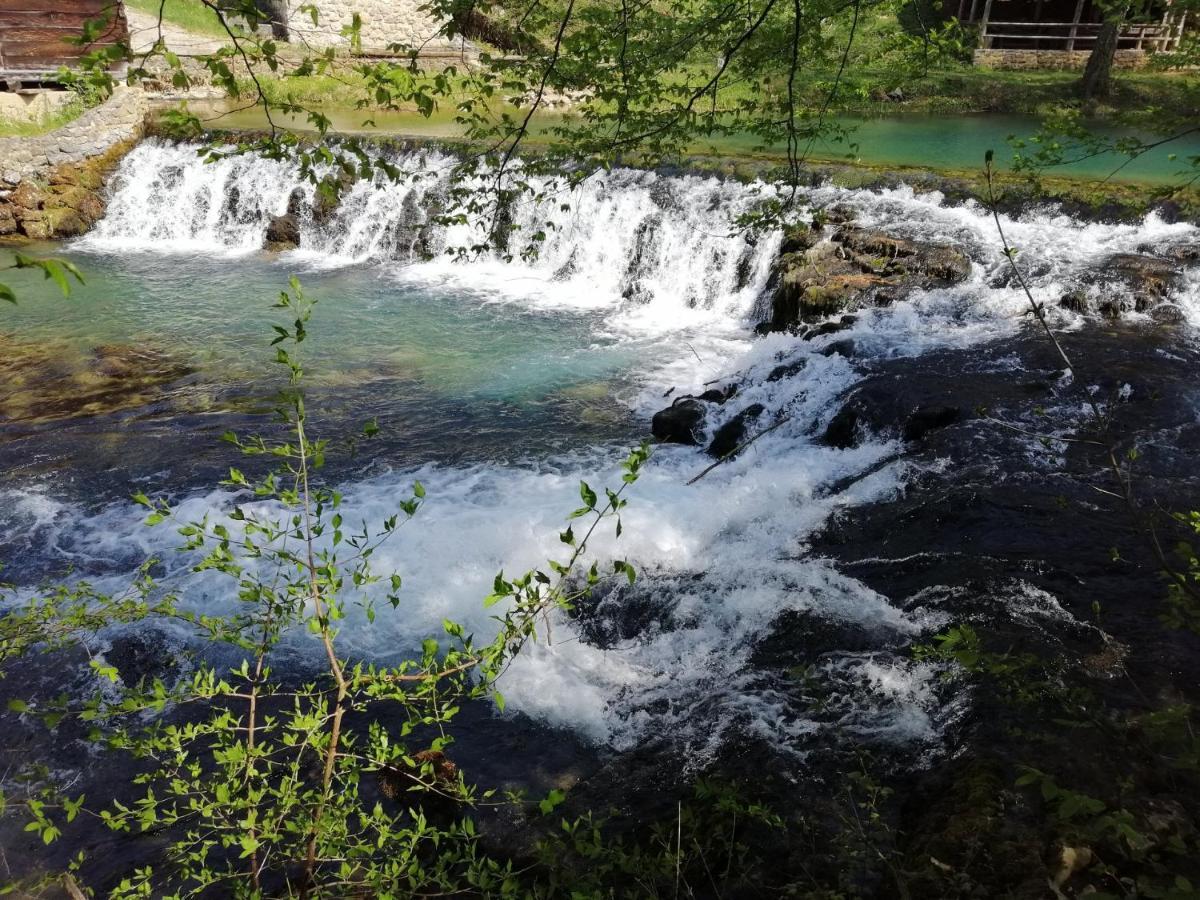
{"x":1075,"y":24}
{"x":983,"y":25}
{"x":35,"y":35}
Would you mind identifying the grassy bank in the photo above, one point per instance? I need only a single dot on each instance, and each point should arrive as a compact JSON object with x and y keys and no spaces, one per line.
{"x":28,"y":128}
{"x":960,"y":90}
{"x":190,"y":14}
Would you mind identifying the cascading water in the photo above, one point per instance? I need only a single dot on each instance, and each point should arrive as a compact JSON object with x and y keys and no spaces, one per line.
{"x":653,"y":259}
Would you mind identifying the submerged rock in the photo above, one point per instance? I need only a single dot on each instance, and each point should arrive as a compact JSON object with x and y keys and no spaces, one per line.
{"x":1141,"y":282}
{"x":1076,"y":301}
{"x":680,"y":422}
{"x":732,"y":434}
{"x":930,"y":418}
{"x":843,"y":430}
{"x":49,"y":381}
{"x":718,"y":396}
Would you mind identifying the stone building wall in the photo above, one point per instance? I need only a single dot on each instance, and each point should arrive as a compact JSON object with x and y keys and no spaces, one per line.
{"x":1053,"y":59}
{"x":384,"y":22}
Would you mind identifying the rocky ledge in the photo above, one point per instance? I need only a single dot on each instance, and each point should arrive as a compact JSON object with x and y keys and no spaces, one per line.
{"x":832,"y":266}
{"x":51,"y":185}
{"x":829,"y":266}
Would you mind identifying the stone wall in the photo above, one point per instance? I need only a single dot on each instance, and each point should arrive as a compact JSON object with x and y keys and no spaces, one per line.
{"x":119,"y":119}
{"x":384,"y":22}
{"x":1053,"y":59}
{"x":52,"y":185}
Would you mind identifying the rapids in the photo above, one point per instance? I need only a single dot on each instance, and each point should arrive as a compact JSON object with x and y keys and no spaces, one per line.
{"x":647,"y":273}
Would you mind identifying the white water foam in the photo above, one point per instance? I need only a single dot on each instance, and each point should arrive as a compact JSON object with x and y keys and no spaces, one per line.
{"x":723,"y":558}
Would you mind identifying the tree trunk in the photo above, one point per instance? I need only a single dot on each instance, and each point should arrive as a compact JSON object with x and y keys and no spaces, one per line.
{"x":1097,"y":77}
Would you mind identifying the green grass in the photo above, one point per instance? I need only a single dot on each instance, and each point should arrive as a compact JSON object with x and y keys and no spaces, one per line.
{"x":190,"y":14}
{"x":24,"y":128}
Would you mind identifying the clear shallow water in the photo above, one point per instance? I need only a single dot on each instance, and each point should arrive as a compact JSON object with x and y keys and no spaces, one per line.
{"x":639,"y":290}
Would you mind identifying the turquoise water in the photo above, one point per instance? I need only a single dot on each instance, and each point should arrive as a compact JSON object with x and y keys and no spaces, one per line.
{"x":922,"y":141}
{"x":450,"y":373}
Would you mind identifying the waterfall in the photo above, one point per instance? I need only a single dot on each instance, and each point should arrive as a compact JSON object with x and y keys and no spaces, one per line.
{"x":623,"y":236}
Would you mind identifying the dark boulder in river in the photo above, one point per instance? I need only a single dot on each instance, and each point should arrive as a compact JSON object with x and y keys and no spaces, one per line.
{"x":679,"y":422}
{"x":1180,"y":253}
{"x":930,"y":418}
{"x":731,"y":435}
{"x":1136,"y":282}
{"x":283,"y":233}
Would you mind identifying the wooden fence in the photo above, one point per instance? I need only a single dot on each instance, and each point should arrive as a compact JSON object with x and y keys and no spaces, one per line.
{"x":1159,"y":36}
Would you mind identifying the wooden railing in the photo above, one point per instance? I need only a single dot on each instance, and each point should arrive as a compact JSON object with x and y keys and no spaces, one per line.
{"x":1147,"y":36}
{"x":1076,"y":36}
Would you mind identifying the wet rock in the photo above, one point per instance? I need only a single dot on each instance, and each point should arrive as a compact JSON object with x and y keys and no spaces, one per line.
{"x":296,"y":203}
{"x":1148,"y":278}
{"x":787,"y":370}
{"x":852,"y":267}
{"x":330,"y":191}
{"x":732,"y":434}
{"x":1076,"y":301}
{"x":930,"y":418}
{"x":1179,"y":253}
{"x":1167,"y":314}
{"x":843,"y":430}
{"x":27,"y":196}
{"x":283,"y":233}
{"x":830,"y":327}
{"x":799,"y":238}
{"x":138,"y":657}
{"x":846,"y":348}
{"x":837,"y":214}
{"x":718,"y":395}
{"x":1113,"y":307}
{"x":939,"y":262}
{"x":680,"y":422}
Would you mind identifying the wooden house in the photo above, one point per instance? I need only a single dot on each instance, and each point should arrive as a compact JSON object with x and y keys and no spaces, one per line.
{"x":38,"y":37}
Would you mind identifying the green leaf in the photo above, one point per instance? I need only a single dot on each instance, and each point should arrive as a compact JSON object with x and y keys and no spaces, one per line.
{"x":6,"y":293}
{"x":551,"y":800}
{"x":587,"y":494}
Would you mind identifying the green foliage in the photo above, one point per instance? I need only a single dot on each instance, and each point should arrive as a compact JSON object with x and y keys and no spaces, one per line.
{"x":710,"y":847}
{"x":1183,"y":585}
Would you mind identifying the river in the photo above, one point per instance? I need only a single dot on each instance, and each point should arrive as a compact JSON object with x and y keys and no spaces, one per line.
{"x":500,"y":385}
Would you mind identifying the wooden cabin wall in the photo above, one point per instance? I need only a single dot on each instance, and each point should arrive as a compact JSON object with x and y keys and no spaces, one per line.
{"x":42,"y":35}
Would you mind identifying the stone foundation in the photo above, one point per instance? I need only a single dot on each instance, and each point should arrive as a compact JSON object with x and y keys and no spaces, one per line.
{"x":52,"y":185}
{"x":1053,"y":59}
